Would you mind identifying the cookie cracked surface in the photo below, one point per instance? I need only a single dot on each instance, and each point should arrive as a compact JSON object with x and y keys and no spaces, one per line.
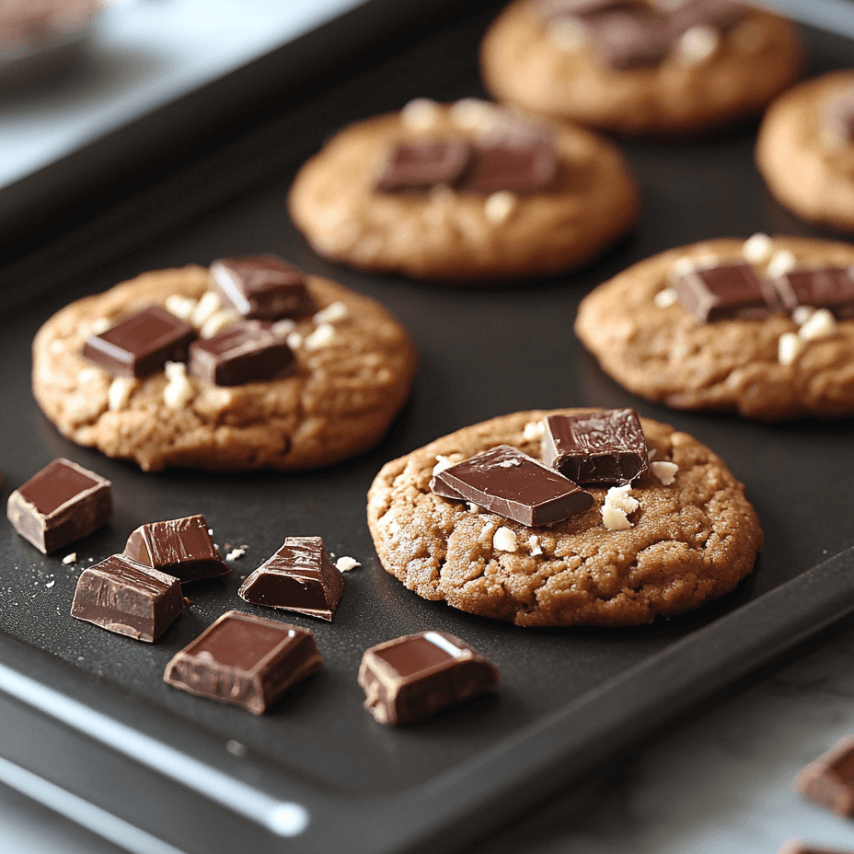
{"x":690,"y":541}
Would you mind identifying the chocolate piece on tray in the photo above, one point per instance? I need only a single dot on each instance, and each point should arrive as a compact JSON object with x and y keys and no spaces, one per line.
{"x":628,"y":38}
{"x":61,"y":504}
{"x":505,"y":481}
{"x":724,"y":292}
{"x":179,"y":547}
{"x":415,"y":676}
{"x":125,"y":597}
{"x":607,"y":446}
{"x":423,"y":164}
{"x":829,"y":780}
{"x":245,"y":353}
{"x":141,"y":344}
{"x":720,"y":14}
{"x":298,"y":577}
{"x":839,"y":115}
{"x":828,"y":287}
{"x":244,"y":660}
{"x":262,"y":287}
{"x":519,"y":163}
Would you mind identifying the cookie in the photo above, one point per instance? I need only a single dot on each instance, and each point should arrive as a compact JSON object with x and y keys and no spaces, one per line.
{"x":682,"y":544}
{"x":349,"y":371}
{"x":790,"y":357}
{"x":496,"y":196}
{"x":640,"y":68}
{"x":805,"y":150}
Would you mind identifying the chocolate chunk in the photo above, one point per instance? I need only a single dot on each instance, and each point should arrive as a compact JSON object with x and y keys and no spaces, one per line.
{"x":424,"y":164}
{"x":61,"y":504}
{"x":599,"y":447}
{"x":551,"y":9}
{"x":719,"y":14}
{"x":244,"y":660}
{"x":829,"y":780}
{"x":245,"y":353}
{"x":829,"y":287}
{"x":298,"y":577}
{"x":125,"y":597}
{"x":628,"y":38}
{"x":513,"y":160}
{"x":179,"y":547}
{"x":839,"y":115}
{"x":418,"y":675}
{"x":263,"y":287}
{"x":724,"y":292}
{"x":142,"y":344}
{"x":512,"y":484}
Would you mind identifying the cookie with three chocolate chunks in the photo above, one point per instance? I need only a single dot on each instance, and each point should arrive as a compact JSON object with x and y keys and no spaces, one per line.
{"x":826,"y":287}
{"x":244,"y":660}
{"x":124,"y":596}
{"x":423,"y":164}
{"x":725,"y":291}
{"x":415,"y":676}
{"x":179,"y":547}
{"x":298,"y":577}
{"x":61,"y":504}
{"x":829,"y":780}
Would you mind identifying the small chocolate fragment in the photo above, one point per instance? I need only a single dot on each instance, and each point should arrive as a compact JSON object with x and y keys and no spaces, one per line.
{"x":839,"y":115}
{"x":724,"y":292}
{"x":598,"y":447}
{"x":141,"y":344}
{"x":61,"y":504}
{"x":516,"y":162}
{"x":179,"y":547}
{"x":245,"y":353}
{"x":505,"y":481}
{"x":829,"y":780}
{"x":244,"y":660}
{"x":551,"y":9}
{"x":798,"y":847}
{"x":263,"y":287}
{"x":628,"y":38}
{"x":415,"y":676}
{"x":719,"y":14}
{"x":424,"y":164}
{"x":829,"y":287}
{"x":298,"y":577}
{"x":125,"y":597}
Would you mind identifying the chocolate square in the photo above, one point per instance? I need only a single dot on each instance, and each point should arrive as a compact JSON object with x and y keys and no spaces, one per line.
{"x":125,"y":597}
{"x":61,"y":504}
{"x":244,"y":660}
{"x":828,"y":287}
{"x":839,"y":115}
{"x":724,"y":292}
{"x":415,"y":676}
{"x":263,"y":287}
{"x":515,"y":162}
{"x":245,"y":353}
{"x":142,"y":344}
{"x":829,"y":780}
{"x":414,"y":166}
{"x":298,"y":577}
{"x":628,"y":38}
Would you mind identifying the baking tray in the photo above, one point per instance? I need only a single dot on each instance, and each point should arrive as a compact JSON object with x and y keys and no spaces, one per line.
{"x":86,"y":711}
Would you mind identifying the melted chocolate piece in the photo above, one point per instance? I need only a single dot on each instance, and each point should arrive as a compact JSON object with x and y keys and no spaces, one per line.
{"x":839,"y":115}
{"x":829,"y":287}
{"x":513,"y":485}
{"x":246,"y":353}
{"x":724,"y":292}
{"x":179,"y":547}
{"x":415,"y":676}
{"x":719,"y":14}
{"x":829,"y":780}
{"x":520,"y":160}
{"x":628,"y":38}
{"x":263,"y":287}
{"x":125,"y":597}
{"x":298,"y":577}
{"x":141,"y":344}
{"x":244,"y":660}
{"x":424,"y":164}
{"x":551,"y":9}
{"x":598,"y":447}
{"x":61,"y":504}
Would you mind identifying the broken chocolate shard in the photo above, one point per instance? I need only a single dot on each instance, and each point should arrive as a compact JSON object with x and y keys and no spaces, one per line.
{"x":725,"y":292}
{"x":142,"y":344}
{"x":839,"y":115}
{"x":298,"y":577}
{"x":511,"y":161}
{"x":829,"y":780}
{"x":513,"y":485}
{"x":61,"y":504}
{"x":179,"y":547}
{"x":628,"y":38}
{"x":125,"y":597}
{"x":415,"y":676}
{"x":262,"y":287}
{"x":245,"y":353}
{"x":829,"y":287}
{"x":420,"y":165}
{"x":607,"y":446}
{"x":244,"y":660}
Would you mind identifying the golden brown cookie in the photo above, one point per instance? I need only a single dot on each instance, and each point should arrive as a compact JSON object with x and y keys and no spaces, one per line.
{"x":354,"y":368}
{"x":688,"y":540}
{"x":454,"y":235}
{"x":793,"y":362}
{"x":708,"y":77}
{"x":806,"y":162}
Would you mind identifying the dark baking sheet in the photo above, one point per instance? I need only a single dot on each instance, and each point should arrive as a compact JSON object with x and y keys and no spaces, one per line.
{"x":87,"y":710}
